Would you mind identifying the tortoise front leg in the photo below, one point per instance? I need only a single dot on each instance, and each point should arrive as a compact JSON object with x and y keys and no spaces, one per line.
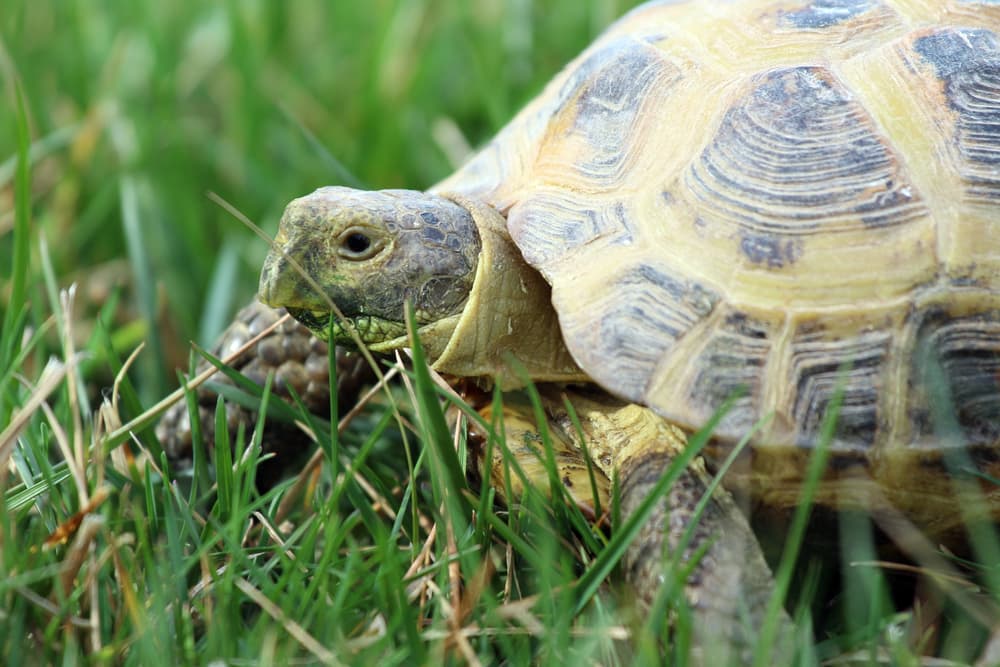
{"x":728,"y":584}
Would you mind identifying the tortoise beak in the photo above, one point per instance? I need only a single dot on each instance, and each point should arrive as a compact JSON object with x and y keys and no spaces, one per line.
{"x":282,"y":284}
{"x":293,"y":255}
{"x":275,"y":289}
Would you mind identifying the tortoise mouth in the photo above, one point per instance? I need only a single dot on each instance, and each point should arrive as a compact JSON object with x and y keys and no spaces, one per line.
{"x":371,"y":329}
{"x":315,"y":321}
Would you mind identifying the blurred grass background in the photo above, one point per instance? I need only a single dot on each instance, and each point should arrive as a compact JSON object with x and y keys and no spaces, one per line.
{"x":137,"y":110}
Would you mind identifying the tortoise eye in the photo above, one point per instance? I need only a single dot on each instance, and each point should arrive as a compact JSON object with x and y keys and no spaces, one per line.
{"x":356,"y":245}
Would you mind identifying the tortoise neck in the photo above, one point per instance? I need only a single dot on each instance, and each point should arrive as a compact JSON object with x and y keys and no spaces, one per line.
{"x":508,"y":329}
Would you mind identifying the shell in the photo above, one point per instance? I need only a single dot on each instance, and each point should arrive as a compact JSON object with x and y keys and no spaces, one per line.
{"x":787,"y":199}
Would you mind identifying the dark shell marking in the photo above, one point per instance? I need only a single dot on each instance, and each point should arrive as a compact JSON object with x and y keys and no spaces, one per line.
{"x":797,"y":155}
{"x":968,"y":63}
{"x":770,"y":250}
{"x":551,"y":224}
{"x":856,"y":368}
{"x":955,"y":377}
{"x":646,"y":310}
{"x":826,"y":13}
{"x":731,"y":366}
{"x":604,"y":98}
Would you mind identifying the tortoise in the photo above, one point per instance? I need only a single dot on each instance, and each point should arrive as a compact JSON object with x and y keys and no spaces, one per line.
{"x":785,"y":207}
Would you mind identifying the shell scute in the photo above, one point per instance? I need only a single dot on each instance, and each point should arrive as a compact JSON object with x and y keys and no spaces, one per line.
{"x":553,"y":224}
{"x":797,"y":155}
{"x":637,"y":314}
{"x":968,"y":63}
{"x":824,"y":367}
{"x":954,"y":389}
{"x":592,"y":140}
{"x":730,"y":367}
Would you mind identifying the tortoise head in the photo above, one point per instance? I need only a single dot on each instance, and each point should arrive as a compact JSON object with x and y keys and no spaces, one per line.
{"x":370,"y":253}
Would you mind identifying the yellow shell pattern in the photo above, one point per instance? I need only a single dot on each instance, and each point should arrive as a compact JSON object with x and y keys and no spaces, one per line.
{"x":782,"y":197}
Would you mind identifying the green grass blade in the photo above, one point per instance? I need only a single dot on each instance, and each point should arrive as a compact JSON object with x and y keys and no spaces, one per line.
{"x":436,"y":431}
{"x":22,"y":218}
{"x":797,"y":528}
{"x":133,"y":225}
{"x":331,"y":445}
{"x":223,"y":461}
{"x":13,"y":320}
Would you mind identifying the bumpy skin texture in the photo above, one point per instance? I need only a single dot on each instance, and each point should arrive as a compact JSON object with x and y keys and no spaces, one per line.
{"x":298,"y":360}
{"x":730,"y":584}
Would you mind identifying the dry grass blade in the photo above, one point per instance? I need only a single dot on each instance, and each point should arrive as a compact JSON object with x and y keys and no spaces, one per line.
{"x":953,"y":578}
{"x":78,"y":551}
{"x":454,"y":575}
{"x":64,"y":315}
{"x":990,"y":655}
{"x":909,"y":538}
{"x":125,"y":584}
{"x":52,"y":376}
{"x":275,"y":536}
{"x":294,"y":629}
{"x":67,"y":528}
{"x":51,"y":608}
{"x":418,"y":588}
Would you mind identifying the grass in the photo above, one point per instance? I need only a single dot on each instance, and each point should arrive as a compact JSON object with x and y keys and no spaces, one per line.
{"x":120,"y":118}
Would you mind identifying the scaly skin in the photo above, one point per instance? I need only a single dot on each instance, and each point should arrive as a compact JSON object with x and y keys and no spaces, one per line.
{"x":730,"y":583}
